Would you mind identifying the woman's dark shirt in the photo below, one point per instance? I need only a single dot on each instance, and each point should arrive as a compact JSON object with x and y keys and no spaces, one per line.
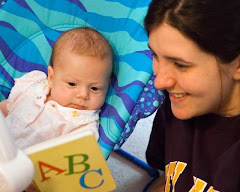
{"x":204,"y":150}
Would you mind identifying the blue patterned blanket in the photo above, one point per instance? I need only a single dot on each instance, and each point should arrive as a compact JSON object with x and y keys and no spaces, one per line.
{"x":28,"y":29}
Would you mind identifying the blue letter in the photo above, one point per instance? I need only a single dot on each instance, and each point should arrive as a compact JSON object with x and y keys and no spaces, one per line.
{"x":82,"y":179}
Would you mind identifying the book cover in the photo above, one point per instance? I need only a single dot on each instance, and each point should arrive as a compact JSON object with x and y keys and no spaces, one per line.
{"x":70,"y":163}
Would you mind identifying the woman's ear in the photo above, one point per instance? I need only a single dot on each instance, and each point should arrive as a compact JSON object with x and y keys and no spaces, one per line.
{"x":236,"y":75}
{"x":50,"y":76}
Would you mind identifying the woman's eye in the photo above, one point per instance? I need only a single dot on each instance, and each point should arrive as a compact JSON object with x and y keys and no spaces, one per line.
{"x":181,"y":66}
{"x":155,"y":57}
{"x":94,"y":88}
{"x":71,"y":84}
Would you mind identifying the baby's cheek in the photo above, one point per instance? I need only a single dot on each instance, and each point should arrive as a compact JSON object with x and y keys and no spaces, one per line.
{"x":102,"y":102}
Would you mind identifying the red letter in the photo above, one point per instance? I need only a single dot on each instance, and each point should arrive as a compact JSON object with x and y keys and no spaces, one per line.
{"x":44,"y":178}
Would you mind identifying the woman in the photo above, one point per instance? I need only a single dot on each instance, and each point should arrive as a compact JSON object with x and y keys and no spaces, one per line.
{"x":195,"y":137}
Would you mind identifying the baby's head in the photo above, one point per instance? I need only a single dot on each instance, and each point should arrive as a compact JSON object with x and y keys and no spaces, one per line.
{"x":80,"y":69}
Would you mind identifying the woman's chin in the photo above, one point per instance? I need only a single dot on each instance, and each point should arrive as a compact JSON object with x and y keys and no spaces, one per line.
{"x":182,"y":114}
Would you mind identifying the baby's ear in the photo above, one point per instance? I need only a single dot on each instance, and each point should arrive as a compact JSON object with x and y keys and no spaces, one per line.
{"x":109,"y":81}
{"x":236,"y":75}
{"x":50,"y":76}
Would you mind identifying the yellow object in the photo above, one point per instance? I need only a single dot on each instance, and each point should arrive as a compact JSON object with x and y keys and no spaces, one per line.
{"x":70,"y":163}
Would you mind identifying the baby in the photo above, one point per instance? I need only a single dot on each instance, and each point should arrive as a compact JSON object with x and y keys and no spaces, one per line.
{"x":69,"y":99}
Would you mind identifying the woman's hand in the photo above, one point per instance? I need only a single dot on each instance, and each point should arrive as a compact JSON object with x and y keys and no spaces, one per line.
{"x":30,"y":189}
{"x":158,"y":185}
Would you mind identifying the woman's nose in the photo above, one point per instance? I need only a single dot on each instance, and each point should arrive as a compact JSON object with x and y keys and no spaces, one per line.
{"x":165,"y":77}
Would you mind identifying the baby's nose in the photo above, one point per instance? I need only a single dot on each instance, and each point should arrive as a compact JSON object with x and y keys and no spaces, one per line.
{"x":83,"y":93}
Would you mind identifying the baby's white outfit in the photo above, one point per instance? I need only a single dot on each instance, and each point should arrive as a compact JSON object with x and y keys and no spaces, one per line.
{"x":32,"y":121}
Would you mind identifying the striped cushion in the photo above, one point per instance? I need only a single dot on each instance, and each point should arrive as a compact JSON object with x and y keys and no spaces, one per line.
{"x":28,"y":29}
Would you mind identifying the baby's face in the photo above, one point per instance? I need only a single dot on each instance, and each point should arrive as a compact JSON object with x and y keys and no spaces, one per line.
{"x":79,"y":81}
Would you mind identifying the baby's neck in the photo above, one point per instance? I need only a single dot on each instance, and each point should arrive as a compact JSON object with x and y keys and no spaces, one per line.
{"x":48,"y":98}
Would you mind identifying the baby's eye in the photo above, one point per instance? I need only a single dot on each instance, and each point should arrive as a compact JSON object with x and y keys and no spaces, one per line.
{"x":94,"y":88}
{"x":71,"y":84}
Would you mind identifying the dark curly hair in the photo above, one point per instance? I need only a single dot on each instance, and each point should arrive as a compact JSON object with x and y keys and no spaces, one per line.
{"x":214,"y":25}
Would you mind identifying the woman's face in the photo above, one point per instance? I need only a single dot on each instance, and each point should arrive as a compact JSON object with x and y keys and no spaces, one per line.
{"x":197,"y":84}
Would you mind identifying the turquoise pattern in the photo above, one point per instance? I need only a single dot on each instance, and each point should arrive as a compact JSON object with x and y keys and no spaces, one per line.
{"x":29,"y":28}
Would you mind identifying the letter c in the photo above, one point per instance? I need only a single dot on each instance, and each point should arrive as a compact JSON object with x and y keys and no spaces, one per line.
{"x":82,"y":179}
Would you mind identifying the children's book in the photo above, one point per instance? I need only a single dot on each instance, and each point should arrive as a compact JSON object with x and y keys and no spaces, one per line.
{"x":71,"y":163}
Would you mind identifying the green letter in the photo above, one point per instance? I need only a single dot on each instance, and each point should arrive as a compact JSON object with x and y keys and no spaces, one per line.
{"x":81,"y":163}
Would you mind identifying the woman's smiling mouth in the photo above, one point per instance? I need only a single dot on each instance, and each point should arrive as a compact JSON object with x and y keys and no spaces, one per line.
{"x":177,"y":97}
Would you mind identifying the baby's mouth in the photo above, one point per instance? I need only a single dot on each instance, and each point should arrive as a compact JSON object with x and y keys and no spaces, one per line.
{"x":79,"y":107}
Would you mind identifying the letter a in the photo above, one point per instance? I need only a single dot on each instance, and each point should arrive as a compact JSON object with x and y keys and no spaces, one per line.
{"x":42,"y":164}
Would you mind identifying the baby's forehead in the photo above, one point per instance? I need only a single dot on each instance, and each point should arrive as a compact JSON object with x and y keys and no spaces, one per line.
{"x":60,"y":58}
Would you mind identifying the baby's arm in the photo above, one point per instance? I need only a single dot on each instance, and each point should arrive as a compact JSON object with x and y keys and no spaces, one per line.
{"x":3,"y":107}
